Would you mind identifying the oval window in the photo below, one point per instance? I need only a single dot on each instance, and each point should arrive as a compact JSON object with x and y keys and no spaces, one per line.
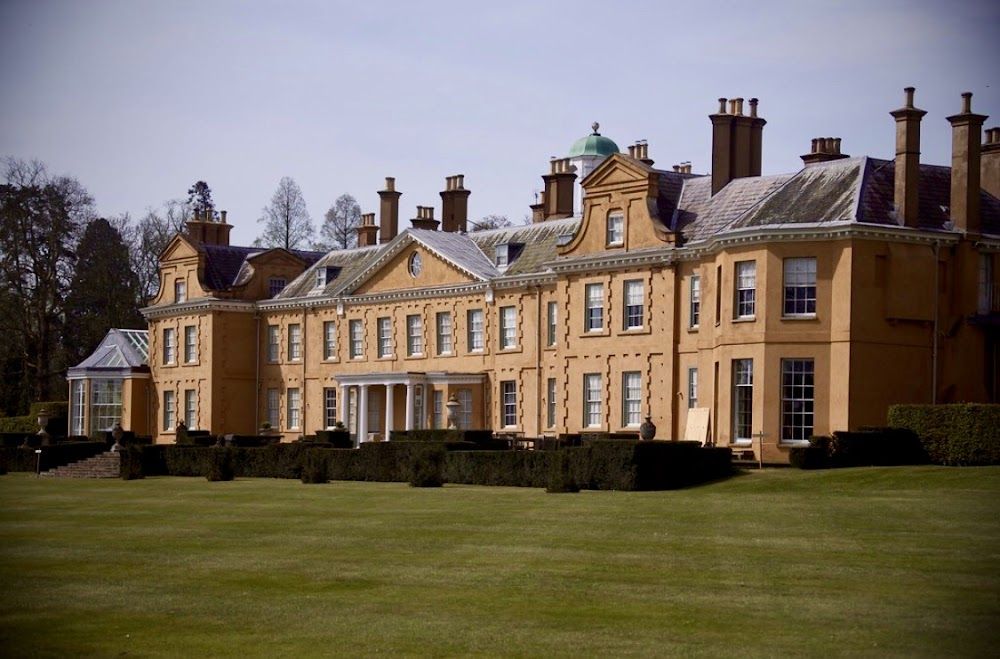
{"x":415,"y":264}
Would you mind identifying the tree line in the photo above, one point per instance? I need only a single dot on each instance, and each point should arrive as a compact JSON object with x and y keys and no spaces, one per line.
{"x":68,"y":274}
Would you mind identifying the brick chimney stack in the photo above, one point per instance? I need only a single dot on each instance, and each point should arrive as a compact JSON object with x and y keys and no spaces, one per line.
{"x":824,"y":149}
{"x":966,"y":131}
{"x":906,"y":197}
{"x":202,"y":228}
{"x":425,"y":219}
{"x":559,"y":189}
{"x":737,"y":141}
{"x":389,"y":210}
{"x":989,"y":169}
{"x":455,"y":205}
{"x":367,"y":231}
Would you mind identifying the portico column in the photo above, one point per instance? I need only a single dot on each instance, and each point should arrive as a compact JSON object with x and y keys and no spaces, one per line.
{"x":363,"y":414}
{"x":344,"y":411}
{"x":409,"y":405}
{"x":388,"y":410}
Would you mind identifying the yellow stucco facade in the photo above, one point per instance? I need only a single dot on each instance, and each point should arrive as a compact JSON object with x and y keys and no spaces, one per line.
{"x":779,"y":307}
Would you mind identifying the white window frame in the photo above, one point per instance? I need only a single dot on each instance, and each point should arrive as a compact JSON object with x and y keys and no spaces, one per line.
{"x":444,"y":333}
{"x":105,"y":403}
{"x":414,"y":335}
{"x":329,"y":339}
{"x":273,"y":342}
{"x":631,"y":399}
{"x":384,"y":325}
{"x":550,"y":409}
{"x":330,"y":407}
{"x":191,"y":409}
{"x":78,"y":396}
{"x":169,"y":411}
{"x":553,"y":328}
{"x":190,"y":344}
{"x":635,"y":302}
{"x":692,"y":385}
{"x":180,"y":291}
{"x":475,"y":323}
{"x":294,"y":399}
{"x":615,"y":236}
{"x":694,"y":309}
{"x":742,"y":401}
{"x":418,"y":407}
{"x":294,"y":342}
{"x":508,"y":327}
{"x":465,"y":411}
{"x":798,"y":399}
{"x":273,"y":413}
{"x":508,"y":403}
{"x":745,"y":300}
{"x":799,"y":287}
{"x":169,"y":346}
{"x":356,"y":331}
{"x":592,"y":400}
{"x":437,"y":403}
{"x":594,"y":308}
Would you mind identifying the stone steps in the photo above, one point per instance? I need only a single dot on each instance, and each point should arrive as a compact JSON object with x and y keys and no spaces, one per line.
{"x":105,"y":465}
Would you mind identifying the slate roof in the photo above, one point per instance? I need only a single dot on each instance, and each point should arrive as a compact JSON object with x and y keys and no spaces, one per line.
{"x":837,"y":192}
{"x":119,"y":350}
{"x":226,"y":265}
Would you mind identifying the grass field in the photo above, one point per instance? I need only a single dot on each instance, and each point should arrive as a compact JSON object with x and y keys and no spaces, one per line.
{"x":881,"y":562}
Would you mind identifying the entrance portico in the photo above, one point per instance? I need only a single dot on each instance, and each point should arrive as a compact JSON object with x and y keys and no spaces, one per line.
{"x":369,"y":405}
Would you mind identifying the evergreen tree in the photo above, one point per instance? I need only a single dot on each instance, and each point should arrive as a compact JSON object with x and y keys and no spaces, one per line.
{"x":103,"y":291}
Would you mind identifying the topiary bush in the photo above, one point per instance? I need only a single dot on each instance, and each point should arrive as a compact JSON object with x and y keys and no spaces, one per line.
{"x":315,"y":468}
{"x":956,"y":434}
{"x":427,"y":465}
{"x":220,"y":467}
{"x":561,"y":480}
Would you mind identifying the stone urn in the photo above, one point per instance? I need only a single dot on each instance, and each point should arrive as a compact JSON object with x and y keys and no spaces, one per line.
{"x":43,"y":421}
{"x":452,"y":406}
{"x":647,"y":430}
{"x":117,"y":433}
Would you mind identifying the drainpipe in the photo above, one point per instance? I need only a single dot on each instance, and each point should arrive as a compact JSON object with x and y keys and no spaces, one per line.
{"x":302,"y":401}
{"x":256,"y":381}
{"x":538,"y":360}
{"x":934,"y":343}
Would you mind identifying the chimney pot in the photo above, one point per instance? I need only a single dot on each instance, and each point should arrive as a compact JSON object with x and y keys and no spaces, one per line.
{"x":677,"y":168}
{"x":966,"y":102}
{"x":224,"y":216}
{"x":836,"y":145}
{"x":631,"y":150}
{"x":753,"y":107}
{"x":908,"y":92}
{"x":461,"y":181}
{"x":390,"y":183}
{"x":815,"y":145}
{"x":739,"y":106}
{"x":732,"y":106}
{"x":722,"y":106}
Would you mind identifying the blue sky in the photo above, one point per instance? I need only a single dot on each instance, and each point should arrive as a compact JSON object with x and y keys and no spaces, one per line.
{"x":139,"y":99}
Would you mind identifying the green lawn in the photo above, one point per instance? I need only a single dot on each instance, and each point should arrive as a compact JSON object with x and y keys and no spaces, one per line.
{"x":886,"y":562}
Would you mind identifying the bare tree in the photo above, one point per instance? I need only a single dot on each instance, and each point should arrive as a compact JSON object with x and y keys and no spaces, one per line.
{"x":41,"y":220}
{"x":147,"y":238}
{"x":286,"y":220}
{"x":491,"y":222}
{"x":340,"y":224}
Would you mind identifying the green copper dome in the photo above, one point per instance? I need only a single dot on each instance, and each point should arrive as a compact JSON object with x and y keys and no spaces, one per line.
{"x":594,"y":144}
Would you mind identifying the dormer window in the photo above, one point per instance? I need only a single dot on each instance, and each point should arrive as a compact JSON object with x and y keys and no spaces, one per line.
{"x":180,"y":291}
{"x":507,"y":253}
{"x":325,"y":275}
{"x":616,"y":230}
{"x":275,"y":285}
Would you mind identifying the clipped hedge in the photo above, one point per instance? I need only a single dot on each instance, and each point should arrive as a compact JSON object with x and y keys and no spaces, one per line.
{"x":504,"y":468}
{"x":955,"y":434}
{"x":336,"y":438}
{"x":58,"y":418}
{"x":868,"y":447}
{"x":56,"y":455}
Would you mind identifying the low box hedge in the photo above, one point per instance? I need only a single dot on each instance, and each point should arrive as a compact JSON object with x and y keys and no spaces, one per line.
{"x":867,"y":447}
{"x":52,"y":456}
{"x":954,"y":434}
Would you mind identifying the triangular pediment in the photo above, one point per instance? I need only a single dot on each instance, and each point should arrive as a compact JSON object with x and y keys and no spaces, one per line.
{"x":617,"y":170}
{"x":423,"y":259}
{"x":179,"y":247}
